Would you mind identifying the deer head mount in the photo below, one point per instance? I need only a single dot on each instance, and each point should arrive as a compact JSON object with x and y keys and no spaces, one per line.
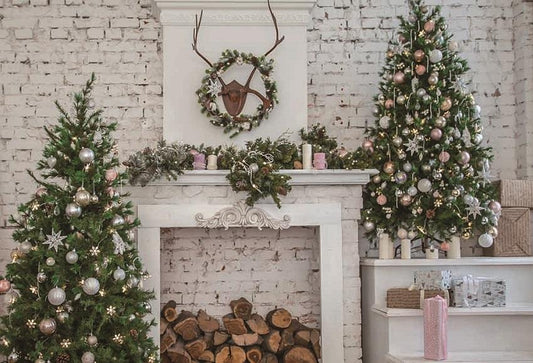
{"x":234,"y":94}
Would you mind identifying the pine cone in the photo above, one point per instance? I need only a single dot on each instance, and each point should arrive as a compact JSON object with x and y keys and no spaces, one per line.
{"x":63,"y":358}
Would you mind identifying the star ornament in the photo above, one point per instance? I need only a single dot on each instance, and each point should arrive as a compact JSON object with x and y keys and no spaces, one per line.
{"x":54,"y":240}
{"x":412,"y":146}
{"x":474,"y":209}
{"x":214,"y":87}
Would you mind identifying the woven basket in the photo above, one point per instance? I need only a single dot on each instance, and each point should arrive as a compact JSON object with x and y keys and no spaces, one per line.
{"x":514,"y":237}
{"x":402,"y":298}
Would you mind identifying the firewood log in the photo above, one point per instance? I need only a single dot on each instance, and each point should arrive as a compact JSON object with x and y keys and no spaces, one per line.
{"x":297,"y":326}
{"x":234,"y":325}
{"x":241,"y":308}
{"x":269,"y":358}
{"x":298,"y":354}
{"x":207,"y":323}
{"x":208,"y":337}
{"x":207,"y":356}
{"x":302,"y":337}
{"x":315,"y":342}
{"x":196,"y":348}
{"x":220,"y":337}
{"x":187,"y":326}
{"x":163,"y":325}
{"x":245,"y":340}
{"x":168,"y":339}
{"x":178,"y":354}
{"x":165,"y":359}
{"x":271,"y":341}
{"x":279,"y":318}
{"x":254,"y":354}
{"x":258,"y":325}
{"x":287,"y":340}
{"x":230,"y":354}
{"x":169,"y":311}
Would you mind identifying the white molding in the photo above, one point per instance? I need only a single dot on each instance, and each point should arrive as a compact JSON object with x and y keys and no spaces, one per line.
{"x":326,"y":216}
{"x":518,"y":309}
{"x":465,"y":261}
{"x":298,"y":177}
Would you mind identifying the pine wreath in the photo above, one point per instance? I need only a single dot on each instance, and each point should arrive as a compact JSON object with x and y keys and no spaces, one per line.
{"x":211,"y":88}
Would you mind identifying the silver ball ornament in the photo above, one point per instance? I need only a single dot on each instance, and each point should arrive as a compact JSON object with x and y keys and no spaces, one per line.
{"x":369,"y":226}
{"x":87,"y":357}
{"x":50,"y":261}
{"x":397,"y":141}
{"x":25,"y":247}
{"x":133,"y":281}
{"x":376,"y":179}
{"x":412,"y":191}
{"x":72,"y":257}
{"x":375,"y":111}
{"x":254,"y":168}
{"x":440,"y":122}
{"x":400,"y":177}
{"x":92,"y":340}
{"x":464,"y":157}
{"x":119,"y":274}
{"x":421,"y":92}
{"x":405,"y":132}
{"x":436,"y":134}
{"x":435,"y":56}
{"x":86,"y":155}
{"x":407,"y":167}
{"x":433,"y":79}
{"x":477,"y":139}
{"x":73,"y":210}
{"x":495,"y":207}
{"x":91,"y":286}
{"x":426,"y":168}
{"x":485,"y":240}
{"x":468,"y":199}
{"x":56,"y":296}
{"x":48,"y":326}
{"x":62,"y":316}
{"x":117,"y":220}
{"x":82,"y":197}
{"x":401,"y":100}
{"x":424,"y":185}
{"x":41,"y":277}
{"x":384,"y":122}
{"x":94,"y":199}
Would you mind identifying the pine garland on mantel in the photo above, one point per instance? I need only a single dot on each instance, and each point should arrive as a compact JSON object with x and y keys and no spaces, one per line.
{"x":253,"y":169}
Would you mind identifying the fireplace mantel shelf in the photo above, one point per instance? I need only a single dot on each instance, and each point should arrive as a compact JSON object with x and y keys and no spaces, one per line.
{"x":298,"y":177}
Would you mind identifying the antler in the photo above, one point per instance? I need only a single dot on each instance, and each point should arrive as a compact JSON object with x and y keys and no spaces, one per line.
{"x":195,"y":38}
{"x":278,"y":40}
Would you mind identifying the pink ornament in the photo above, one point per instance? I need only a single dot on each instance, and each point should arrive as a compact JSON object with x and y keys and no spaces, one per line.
{"x":40,"y":191}
{"x":429,"y":26}
{"x":419,"y":55}
{"x":389,"y":104}
{"x":193,"y":152}
{"x":406,"y":200}
{"x":444,"y":156}
{"x":368,"y":145}
{"x":110,"y":175}
{"x":402,"y":39}
{"x":464,"y":158}
{"x":495,"y":207}
{"x":342,"y":152}
{"x":420,"y":69}
{"x":110,"y":191}
{"x":445,"y":246}
{"x":381,"y":199}
{"x":5,"y":286}
{"x":436,"y":134}
{"x":399,"y":77}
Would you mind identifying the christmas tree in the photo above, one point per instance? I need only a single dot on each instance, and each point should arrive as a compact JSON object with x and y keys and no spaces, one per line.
{"x":75,"y":278}
{"x":433,"y":180}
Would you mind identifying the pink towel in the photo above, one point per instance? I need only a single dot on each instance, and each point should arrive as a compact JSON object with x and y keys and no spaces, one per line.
{"x":435,"y":328}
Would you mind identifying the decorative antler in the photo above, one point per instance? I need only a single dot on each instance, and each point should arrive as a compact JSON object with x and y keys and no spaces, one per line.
{"x":278,"y":40}
{"x":195,"y":38}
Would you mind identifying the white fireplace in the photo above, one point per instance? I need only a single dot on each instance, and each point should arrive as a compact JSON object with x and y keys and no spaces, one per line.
{"x":329,"y":200}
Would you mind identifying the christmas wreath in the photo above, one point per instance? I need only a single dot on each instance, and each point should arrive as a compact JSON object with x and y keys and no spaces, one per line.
{"x":211,"y":88}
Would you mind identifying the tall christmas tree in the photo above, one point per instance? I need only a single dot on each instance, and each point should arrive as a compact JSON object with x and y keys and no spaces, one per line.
{"x":75,"y":279}
{"x":433,"y":180}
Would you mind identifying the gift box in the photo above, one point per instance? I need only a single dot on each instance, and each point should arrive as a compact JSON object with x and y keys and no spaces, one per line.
{"x":478,"y":292}
{"x":403,"y":298}
{"x":433,"y":279}
{"x":435,"y":328}
{"x":516,"y":193}
{"x":514,"y":234}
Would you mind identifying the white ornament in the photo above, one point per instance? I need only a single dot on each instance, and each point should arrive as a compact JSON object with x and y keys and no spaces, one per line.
{"x":119,"y":274}
{"x":214,"y":87}
{"x":412,"y":146}
{"x":50,"y":261}
{"x":424,"y":185}
{"x":25,"y":247}
{"x":435,"y":56}
{"x":54,"y":240}
{"x":86,"y":155}
{"x":87,"y":357}
{"x":51,"y":161}
{"x":485,"y":240}
{"x":120,"y":245}
{"x":474,"y":209}
{"x":72,"y":257}
{"x":384,"y":122}
{"x":91,"y":286}
{"x":57,"y":296}
{"x":73,"y":210}
{"x":92,"y":340}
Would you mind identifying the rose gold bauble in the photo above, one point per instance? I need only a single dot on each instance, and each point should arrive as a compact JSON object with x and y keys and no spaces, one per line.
{"x":420,"y":69}
{"x":445,"y":246}
{"x":429,"y":26}
{"x":419,"y":55}
{"x":368,"y":145}
{"x":444,"y":156}
{"x":389,"y":103}
{"x":110,"y":175}
{"x":381,"y":199}
{"x":436,"y":134}
{"x":495,"y":207}
{"x":5,"y":286}
{"x":446,"y":104}
{"x":389,"y":168}
{"x":399,"y":77}
{"x":464,"y":158}
{"x":48,"y":326}
{"x":406,"y":200}
{"x":402,"y":39}
{"x":40,"y":191}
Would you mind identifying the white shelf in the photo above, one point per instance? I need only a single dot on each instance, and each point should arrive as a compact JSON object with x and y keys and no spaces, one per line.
{"x":467,"y":357}
{"x":518,"y":309}
{"x":466,"y":261}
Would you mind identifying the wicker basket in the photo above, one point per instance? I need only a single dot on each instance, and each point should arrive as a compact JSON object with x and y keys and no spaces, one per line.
{"x":516,"y":193}
{"x":514,"y":237}
{"x":402,"y":298}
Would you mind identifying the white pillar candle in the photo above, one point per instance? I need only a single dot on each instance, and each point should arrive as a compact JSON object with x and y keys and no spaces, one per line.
{"x":307,"y":156}
{"x":212,"y":162}
{"x":384,"y":246}
{"x":432,"y":253}
{"x":406,"y":249}
{"x":455,"y":247}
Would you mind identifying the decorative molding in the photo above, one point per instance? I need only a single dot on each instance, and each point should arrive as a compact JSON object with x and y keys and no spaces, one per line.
{"x":242,"y":215}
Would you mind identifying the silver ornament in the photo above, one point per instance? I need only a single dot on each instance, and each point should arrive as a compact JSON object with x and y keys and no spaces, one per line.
{"x":424,"y":185}
{"x":51,"y":161}
{"x":56,"y":296}
{"x":411,"y":18}
{"x":133,"y":281}
{"x":91,"y":286}
{"x":400,"y":100}
{"x":485,"y":240}
{"x":254,"y":168}
{"x":407,"y":167}
{"x":369,"y":226}
{"x":384,"y":122}
{"x":401,"y":154}
{"x":41,"y":277}
{"x":468,"y":199}
{"x":119,"y":274}
{"x":94,"y":199}
{"x":397,"y":141}
{"x":48,"y":326}
{"x":73,"y":210}
{"x":92,"y":340}
{"x":477,"y":139}
{"x":13,"y":357}
{"x":421,"y":92}
{"x":440,"y":122}
{"x":435,"y":56}
{"x":398,"y":193}
{"x":409,"y":119}
{"x":376,"y":179}
{"x":405,"y":132}
{"x":437,"y":175}
{"x":117,"y":220}
{"x":25,"y":247}
{"x":433,"y":79}
{"x":72,"y":257}
{"x":453,"y":229}
{"x":147,"y":306}
{"x":86,"y":155}
{"x":375,"y":111}
{"x":50,"y":261}
{"x":400,"y":177}
{"x":426,"y":168}
{"x":82,"y":197}
{"x":426,"y":98}
{"x":62,"y":316}
{"x":87,"y":357}
{"x":412,"y":191}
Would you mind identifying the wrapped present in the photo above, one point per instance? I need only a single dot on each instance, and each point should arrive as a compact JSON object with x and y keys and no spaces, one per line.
{"x":478,"y":292}
{"x":433,"y":279}
{"x":403,"y":298}
{"x":435,"y":328}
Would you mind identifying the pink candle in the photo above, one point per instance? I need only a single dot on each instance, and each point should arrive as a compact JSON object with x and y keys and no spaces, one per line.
{"x":435,"y":328}
{"x":319,"y":161}
{"x":199,"y":162}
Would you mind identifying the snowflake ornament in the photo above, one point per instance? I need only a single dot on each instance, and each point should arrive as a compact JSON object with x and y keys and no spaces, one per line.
{"x":214,"y":87}
{"x":54,"y":240}
{"x":412,"y":146}
{"x":120,"y":245}
{"x":474,"y":209}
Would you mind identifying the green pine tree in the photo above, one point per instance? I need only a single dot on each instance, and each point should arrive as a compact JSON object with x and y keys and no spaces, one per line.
{"x":426,"y":142}
{"x":75,"y":276}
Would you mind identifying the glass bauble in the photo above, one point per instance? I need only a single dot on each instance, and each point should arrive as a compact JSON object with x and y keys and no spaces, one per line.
{"x":92,"y":340}
{"x":25,"y":247}
{"x":485,"y":240}
{"x":389,"y":167}
{"x":424,"y":185}
{"x":119,"y":274}
{"x":384,"y":122}
{"x":419,"y":55}
{"x":73,"y":210}
{"x":72,"y":257}
{"x":118,"y":220}
{"x":91,"y":286}
{"x":48,"y":326}
{"x":369,"y":226}
{"x":87,"y":357}
{"x":86,"y":155}
{"x":56,"y":296}
{"x":435,"y":56}
{"x":82,"y":197}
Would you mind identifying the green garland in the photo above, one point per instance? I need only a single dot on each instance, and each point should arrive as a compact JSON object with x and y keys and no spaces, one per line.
{"x":210,"y":88}
{"x":253,"y":169}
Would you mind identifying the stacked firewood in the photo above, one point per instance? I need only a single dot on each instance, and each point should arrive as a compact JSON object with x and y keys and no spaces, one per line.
{"x":244,"y":337}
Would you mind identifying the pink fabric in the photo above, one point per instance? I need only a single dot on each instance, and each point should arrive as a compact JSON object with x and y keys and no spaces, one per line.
{"x":435,"y":328}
